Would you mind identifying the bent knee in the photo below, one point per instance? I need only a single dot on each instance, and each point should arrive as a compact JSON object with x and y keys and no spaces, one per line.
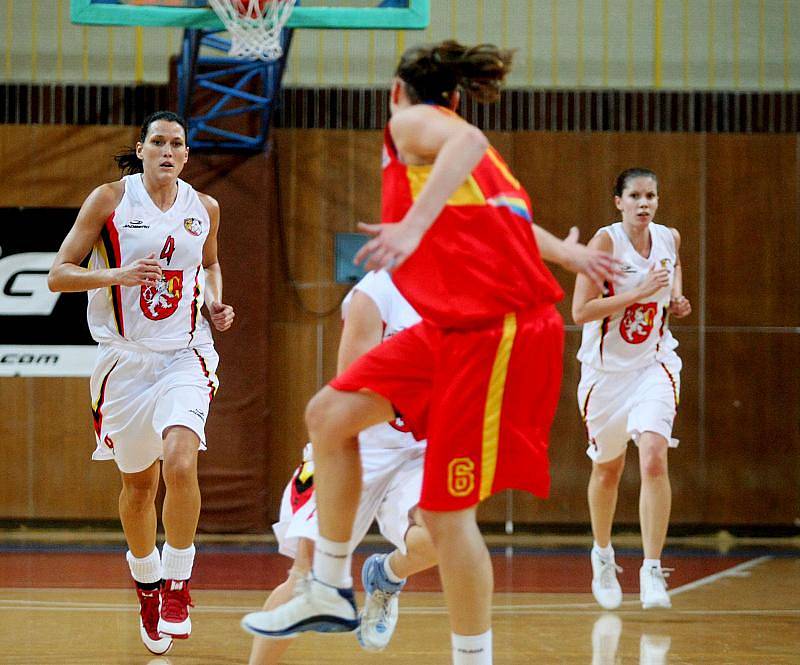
{"x":318,"y":410}
{"x":332,"y":412}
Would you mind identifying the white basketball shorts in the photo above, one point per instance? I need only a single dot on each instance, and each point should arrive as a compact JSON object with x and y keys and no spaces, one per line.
{"x":137,"y":394}
{"x":618,"y":406}
{"x":392,"y":482}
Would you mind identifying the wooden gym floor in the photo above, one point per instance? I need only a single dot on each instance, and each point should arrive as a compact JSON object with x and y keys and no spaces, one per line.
{"x":68,"y":602}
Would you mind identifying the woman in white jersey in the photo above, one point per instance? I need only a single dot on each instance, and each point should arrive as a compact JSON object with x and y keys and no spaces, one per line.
{"x":153,"y":264}
{"x":392,"y":464}
{"x":630,"y":379}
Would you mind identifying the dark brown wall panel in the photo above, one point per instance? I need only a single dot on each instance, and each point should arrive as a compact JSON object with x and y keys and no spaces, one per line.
{"x":753,"y":226}
{"x":752,"y":433}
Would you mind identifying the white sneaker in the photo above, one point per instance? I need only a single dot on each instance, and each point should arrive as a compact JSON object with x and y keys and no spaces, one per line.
{"x":318,"y":607}
{"x":605,"y":586}
{"x":653,"y":649}
{"x":653,"y":587}
{"x":605,"y":639}
{"x":381,"y":605}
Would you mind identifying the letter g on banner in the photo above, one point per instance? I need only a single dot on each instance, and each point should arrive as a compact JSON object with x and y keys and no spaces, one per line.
{"x":23,"y":284}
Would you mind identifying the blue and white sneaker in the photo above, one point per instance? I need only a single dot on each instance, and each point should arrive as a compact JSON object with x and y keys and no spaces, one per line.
{"x":318,"y":607}
{"x":381,"y":605}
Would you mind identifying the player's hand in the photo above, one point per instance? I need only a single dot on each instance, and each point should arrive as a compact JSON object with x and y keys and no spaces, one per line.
{"x":654,"y":282}
{"x":390,"y":246}
{"x":680,"y":307}
{"x":142,"y":272}
{"x":221,"y":315}
{"x":597,"y":265}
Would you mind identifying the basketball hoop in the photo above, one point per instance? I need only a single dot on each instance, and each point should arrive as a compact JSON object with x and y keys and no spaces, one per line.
{"x":254,"y":26}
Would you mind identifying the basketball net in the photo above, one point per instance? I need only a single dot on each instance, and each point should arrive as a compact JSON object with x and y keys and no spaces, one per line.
{"x":254,"y":26}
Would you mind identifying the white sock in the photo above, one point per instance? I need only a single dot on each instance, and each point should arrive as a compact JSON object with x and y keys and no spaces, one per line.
{"x":472,"y":649}
{"x":332,"y":563}
{"x":146,"y":570}
{"x":651,"y":563}
{"x":606,"y":552}
{"x":177,"y":563}
{"x":387,"y":568}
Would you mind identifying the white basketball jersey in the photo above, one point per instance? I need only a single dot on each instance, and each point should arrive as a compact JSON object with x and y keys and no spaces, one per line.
{"x":638,"y":335}
{"x":397,"y":314}
{"x":165,"y":316}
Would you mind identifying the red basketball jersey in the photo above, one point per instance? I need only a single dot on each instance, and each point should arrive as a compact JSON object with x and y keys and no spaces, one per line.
{"x":479,"y":260}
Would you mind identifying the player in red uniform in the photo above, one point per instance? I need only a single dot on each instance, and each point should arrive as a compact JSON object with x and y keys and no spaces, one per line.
{"x":480,"y":375}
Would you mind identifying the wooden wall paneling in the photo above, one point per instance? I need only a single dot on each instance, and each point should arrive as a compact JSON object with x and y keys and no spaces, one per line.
{"x":17,"y":449}
{"x":752,"y":428}
{"x":57,"y":166}
{"x":753,"y":230}
{"x":67,"y":484}
{"x":741,"y":468}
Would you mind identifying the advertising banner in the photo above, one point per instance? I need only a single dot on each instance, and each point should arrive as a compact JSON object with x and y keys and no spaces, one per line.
{"x":41,"y":333}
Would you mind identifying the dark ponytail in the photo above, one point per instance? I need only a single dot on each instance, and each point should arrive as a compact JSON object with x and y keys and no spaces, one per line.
{"x":432,"y":73}
{"x":127,"y":160}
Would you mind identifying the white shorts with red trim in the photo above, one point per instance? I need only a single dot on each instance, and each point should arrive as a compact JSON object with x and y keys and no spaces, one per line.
{"x":392,"y":482}
{"x":137,"y":394}
{"x":618,"y":407}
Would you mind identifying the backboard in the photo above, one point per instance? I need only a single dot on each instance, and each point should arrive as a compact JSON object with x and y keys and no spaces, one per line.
{"x":333,"y":14}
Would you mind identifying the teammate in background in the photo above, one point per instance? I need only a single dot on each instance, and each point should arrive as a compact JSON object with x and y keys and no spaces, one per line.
{"x":630,"y":379}
{"x":392,"y":471}
{"x":153,"y":243}
{"x":479,"y":377}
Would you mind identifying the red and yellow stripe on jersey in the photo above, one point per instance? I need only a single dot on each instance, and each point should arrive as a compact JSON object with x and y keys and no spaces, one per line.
{"x":196,"y":305}
{"x":97,"y":407}
{"x":212,"y":384}
{"x":108,"y":247}
{"x":479,"y":260}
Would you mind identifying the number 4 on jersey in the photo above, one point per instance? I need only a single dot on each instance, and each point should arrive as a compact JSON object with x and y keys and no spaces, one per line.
{"x":168,"y":250}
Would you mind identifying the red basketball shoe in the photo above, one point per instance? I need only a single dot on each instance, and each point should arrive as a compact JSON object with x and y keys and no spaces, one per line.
{"x":149,"y":612}
{"x":175,"y":604}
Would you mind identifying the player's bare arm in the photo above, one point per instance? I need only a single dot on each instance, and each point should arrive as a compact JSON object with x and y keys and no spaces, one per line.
{"x":221,"y":315}
{"x":679,"y":305}
{"x":68,"y":275}
{"x":589,"y":301}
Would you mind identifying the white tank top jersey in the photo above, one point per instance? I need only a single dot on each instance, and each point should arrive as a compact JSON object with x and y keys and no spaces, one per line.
{"x":166,"y":316}
{"x":397,"y":314}
{"x":639,"y":335}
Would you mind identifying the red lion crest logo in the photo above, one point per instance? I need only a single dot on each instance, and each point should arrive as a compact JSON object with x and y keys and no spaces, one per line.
{"x":637,"y":322}
{"x":160,"y":300}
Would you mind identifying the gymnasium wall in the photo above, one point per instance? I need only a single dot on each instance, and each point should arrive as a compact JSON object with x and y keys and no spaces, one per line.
{"x":734,"y":196}
{"x":735,"y":200}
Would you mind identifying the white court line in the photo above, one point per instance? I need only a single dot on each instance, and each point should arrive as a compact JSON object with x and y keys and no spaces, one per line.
{"x":729,"y":572}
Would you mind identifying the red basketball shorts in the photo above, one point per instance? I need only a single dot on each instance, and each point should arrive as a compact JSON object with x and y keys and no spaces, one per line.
{"x":484,"y":398}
